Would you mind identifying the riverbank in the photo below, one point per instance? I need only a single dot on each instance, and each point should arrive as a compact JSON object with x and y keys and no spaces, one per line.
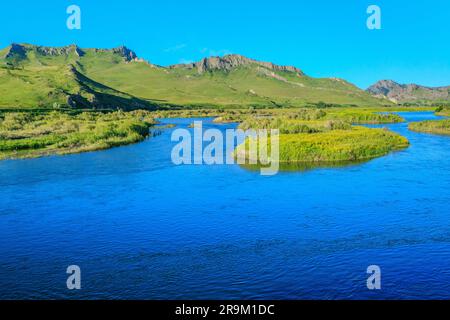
{"x":35,"y":134}
{"x":30,"y":135}
{"x":434,"y":126}
{"x":445,"y":111}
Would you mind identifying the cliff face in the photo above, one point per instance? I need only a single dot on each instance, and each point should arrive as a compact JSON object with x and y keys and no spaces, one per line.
{"x":408,"y":92}
{"x":21,"y":50}
{"x":15,"y":51}
{"x":52,"y":51}
{"x":128,"y":54}
{"x":232,"y":61}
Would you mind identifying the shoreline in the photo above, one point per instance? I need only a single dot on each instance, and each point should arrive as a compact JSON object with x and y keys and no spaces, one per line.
{"x":132,"y":137}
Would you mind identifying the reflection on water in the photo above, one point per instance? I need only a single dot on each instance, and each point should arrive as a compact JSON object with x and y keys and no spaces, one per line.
{"x":304,"y":166}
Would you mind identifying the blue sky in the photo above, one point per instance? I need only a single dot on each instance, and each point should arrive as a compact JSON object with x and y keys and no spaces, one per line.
{"x":324,"y":38}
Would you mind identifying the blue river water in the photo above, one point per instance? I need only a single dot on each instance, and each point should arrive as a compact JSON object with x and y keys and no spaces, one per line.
{"x":140,"y":227}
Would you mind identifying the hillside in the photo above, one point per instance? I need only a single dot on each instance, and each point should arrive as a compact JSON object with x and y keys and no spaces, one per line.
{"x":39,"y":77}
{"x":410,"y":93}
{"x":34,"y":76}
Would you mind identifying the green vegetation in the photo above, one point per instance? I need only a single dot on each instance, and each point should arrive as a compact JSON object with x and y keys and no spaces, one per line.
{"x":433,"y":126}
{"x":39,"y":132}
{"x":288,"y":126}
{"x":363,"y":117}
{"x":340,"y":145}
{"x":443,"y":111}
{"x":45,"y":92}
{"x":280,"y":118}
{"x":354,"y":144}
{"x":328,"y":135}
{"x":46,"y":77}
{"x":240,"y":114}
{"x":59,"y":86}
{"x":24,"y":135}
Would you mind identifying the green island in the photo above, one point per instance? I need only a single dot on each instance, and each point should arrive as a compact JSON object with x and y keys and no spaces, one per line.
{"x":432,"y":126}
{"x":354,"y":144}
{"x":321,"y":141}
{"x":327,"y":136}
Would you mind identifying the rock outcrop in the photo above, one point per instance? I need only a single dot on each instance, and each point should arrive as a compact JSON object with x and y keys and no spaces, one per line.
{"x":61,"y":51}
{"x":128,"y":54}
{"x":408,"y":92}
{"x":15,"y":50}
{"x":21,"y":50}
{"x":232,"y":61}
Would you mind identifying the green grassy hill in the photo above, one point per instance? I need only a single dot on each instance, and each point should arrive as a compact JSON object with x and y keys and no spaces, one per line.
{"x":36,"y":77}
{"x":47,"y":77}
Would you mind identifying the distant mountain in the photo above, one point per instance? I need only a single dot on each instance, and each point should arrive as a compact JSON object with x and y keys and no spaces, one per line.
{"x":36,"y":76}
{"x":412,"y":93}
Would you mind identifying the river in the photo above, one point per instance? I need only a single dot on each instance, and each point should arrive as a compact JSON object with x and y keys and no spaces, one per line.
{"x":140,"y":227}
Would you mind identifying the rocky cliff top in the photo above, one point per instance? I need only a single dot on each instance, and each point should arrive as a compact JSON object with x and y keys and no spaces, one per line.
{"x":16,"y":49}
{"x":232,"y":61}
{"x":128,"y":54}
{"x":22,"y":49}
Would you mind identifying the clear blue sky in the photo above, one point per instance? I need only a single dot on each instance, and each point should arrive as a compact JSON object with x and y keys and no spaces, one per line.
{"x":324,"y":38}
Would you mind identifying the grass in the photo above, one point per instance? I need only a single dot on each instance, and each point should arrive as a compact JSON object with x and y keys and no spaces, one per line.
{"x":363,"y":117}
{"x":326,"y":135}
{"x":316,"y":117}
{"x":329,"y":131}
{"x":27,"y":135}
{"x":334,"y":146}
{"x":432,"y":126}
{"x":290,"y":126}
{"x":289,"y":118}
{"x":443,"y":111}
{"x":241,"y":87}
{"x":103,"y":78}
{"x":340,"y":145}
{"x":313,"y":136}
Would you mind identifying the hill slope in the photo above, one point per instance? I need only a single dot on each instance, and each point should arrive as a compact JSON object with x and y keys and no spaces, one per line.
{"x":411,"y":93}
{"x":34,"y":76}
